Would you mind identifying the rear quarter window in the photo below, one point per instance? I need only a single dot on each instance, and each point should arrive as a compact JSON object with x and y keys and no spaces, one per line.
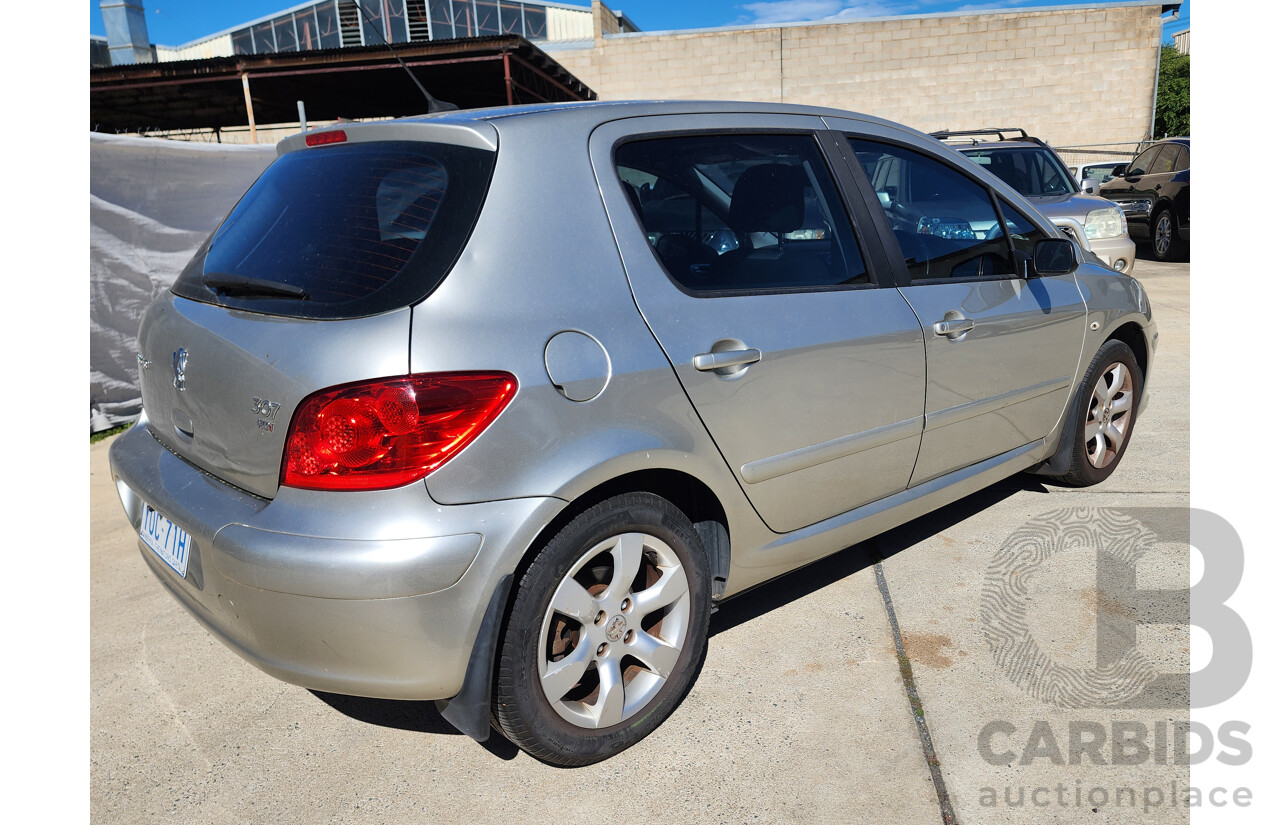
{"x":351,"y":230}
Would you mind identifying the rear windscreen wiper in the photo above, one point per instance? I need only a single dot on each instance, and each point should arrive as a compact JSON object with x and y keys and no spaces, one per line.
{"x":242,"y":285}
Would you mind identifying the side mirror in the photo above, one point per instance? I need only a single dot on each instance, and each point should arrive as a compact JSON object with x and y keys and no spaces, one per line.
{"x":1120,"y":171}
{"x":1054,"y":256}
{"x":1089,"y":186}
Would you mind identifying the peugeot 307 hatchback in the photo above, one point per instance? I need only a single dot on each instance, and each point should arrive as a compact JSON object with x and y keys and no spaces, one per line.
{"x":494,"y":407}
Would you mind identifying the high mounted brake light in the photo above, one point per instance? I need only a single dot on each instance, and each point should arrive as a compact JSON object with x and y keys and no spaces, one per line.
{"x":386,"y":433}
{"x":326,"y":137}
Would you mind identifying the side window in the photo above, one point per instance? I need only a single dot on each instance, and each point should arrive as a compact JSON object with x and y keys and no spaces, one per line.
{"x":1142,"y":164}
{"x":1023,"y":234}
{"x":944,"y":221}
{"x":1164,"y":163}
{"x":1183,"y":162}
{"x":742,"y":212}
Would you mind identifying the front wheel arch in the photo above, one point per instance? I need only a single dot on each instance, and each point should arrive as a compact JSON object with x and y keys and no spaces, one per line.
{"x":1129,"y":333}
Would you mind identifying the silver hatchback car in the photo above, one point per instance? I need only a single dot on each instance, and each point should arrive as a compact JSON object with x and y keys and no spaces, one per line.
{"x":493,"y":407}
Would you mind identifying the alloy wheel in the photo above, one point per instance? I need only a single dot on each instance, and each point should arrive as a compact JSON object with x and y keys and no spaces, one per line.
{"x":1110,"y":412}
{"x":1162,"y":238}
{"x":614,"y":630}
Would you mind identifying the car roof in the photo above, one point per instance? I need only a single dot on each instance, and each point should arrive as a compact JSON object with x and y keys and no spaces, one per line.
{"x":582,"y":116}
{"x":600,"y":111}
{"x":611,"y":109}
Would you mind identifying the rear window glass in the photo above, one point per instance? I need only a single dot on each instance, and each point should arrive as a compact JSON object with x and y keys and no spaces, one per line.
{"x":343,"y":231}
{"x":1033,"y":173}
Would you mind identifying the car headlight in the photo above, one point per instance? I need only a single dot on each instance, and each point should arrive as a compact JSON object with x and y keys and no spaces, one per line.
{"x":951,"y":228}
{"x":1108,"y":222}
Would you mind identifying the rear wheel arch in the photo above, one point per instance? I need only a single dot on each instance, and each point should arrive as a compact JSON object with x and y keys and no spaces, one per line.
{"x":471,"y":710}
{"x":688,"y":493}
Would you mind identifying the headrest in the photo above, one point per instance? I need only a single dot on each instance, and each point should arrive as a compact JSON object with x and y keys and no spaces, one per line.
{"x":675,"y":214}
{"x":768,"y":198}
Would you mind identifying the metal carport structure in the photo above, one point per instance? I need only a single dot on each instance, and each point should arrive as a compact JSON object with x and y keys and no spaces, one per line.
{"x":350,"y":83}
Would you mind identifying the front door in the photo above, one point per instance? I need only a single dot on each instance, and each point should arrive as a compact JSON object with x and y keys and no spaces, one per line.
{"x":806,"y":371}
{"x":1001,"y":349}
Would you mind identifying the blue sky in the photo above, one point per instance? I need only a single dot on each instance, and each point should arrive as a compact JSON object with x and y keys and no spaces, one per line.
{"x":173,"y":22}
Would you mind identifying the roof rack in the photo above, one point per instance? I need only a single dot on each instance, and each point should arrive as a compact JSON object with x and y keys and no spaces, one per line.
{"x":1004,"y":133}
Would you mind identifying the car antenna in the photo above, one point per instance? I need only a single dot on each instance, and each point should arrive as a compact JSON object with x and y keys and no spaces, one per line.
{"x":433,"y":105}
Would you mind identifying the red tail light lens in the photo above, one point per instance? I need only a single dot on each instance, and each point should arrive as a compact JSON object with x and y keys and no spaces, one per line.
{"x":326,"y":138}
{"x":386,"y":433}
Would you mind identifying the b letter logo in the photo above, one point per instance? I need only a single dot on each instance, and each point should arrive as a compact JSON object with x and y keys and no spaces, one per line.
{"x":1122,"y":677}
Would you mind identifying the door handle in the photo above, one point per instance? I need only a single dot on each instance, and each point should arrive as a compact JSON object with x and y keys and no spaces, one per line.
{"x":953,"y":327}
{"x":709,"y":361}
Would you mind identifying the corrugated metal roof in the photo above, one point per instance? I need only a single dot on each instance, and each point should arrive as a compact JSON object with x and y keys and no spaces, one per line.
{"x":354,"y":83}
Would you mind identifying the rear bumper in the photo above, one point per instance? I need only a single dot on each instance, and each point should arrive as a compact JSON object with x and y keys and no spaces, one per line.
{"x":372,"y":594}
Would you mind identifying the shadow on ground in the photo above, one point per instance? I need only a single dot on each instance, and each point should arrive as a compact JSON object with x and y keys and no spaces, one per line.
{"x":421,"y":717}
{"x":800,"y":583}
{"x":1145,"y":253}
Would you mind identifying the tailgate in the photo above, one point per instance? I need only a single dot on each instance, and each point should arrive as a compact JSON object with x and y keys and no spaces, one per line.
{"x":220,"y":385}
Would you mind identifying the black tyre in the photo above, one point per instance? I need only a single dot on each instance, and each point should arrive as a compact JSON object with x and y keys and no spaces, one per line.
{"x":1165,"y":243}
{"x":1106,"y":409}
{"x":607,"y":632}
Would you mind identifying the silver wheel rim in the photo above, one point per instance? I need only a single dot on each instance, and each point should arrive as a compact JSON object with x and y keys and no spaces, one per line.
{"x":614,"y":630}
{"x":1110,"y":411}
{"x":1163,"y":235}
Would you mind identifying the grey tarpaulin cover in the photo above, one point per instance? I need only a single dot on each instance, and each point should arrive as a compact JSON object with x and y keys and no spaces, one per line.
{"x":151,"y":204}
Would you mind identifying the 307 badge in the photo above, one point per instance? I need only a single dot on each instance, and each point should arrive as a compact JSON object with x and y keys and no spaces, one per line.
{"x":266,"y":412}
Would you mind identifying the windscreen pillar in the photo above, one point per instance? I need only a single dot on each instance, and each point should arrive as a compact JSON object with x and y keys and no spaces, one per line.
{"x":126,"y":24}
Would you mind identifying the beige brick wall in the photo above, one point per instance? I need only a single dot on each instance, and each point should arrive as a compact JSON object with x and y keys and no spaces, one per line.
{"x":1070,"y":76}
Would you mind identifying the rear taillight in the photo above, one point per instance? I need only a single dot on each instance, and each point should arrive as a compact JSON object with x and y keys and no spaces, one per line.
{"x":385,"y":433}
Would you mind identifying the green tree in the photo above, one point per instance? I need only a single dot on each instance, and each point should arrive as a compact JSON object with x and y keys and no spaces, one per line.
{"x":1173,"y":97}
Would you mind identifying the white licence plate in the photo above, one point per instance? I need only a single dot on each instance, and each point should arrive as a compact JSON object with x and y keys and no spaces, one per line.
{"x":166,"y":539}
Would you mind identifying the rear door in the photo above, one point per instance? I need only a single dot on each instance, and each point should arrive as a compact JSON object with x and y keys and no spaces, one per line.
{"x":771,"y":304}
{"x":1002,"y":350}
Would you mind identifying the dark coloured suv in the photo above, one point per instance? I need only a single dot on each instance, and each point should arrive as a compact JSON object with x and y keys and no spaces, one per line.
{"x":1155,"y":193}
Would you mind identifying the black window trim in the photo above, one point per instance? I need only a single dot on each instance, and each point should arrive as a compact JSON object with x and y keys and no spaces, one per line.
{"x":866,"y":243}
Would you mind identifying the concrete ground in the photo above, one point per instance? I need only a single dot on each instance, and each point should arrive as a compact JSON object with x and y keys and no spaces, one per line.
{"x":804,"y":711}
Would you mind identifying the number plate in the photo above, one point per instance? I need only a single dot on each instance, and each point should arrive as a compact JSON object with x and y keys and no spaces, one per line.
{"x":166,"y":539}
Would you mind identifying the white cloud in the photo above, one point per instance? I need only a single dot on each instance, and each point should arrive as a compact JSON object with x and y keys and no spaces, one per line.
{"x":994,"y":5}
{"x":795,"y":11}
